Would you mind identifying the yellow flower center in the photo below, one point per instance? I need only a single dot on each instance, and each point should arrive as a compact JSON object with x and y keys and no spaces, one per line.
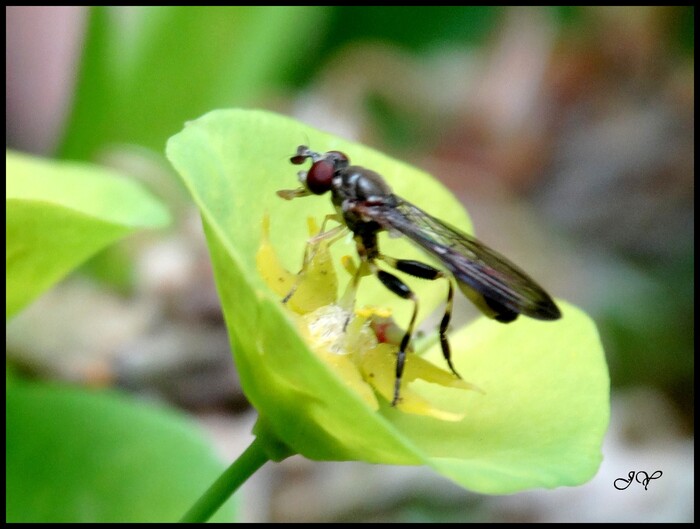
{"x":360,"y":346}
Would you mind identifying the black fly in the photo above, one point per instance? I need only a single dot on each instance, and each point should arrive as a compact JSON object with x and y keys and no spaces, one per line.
{"x":365,"y":204}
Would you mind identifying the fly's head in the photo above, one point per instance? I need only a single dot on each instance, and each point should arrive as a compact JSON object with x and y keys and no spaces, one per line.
{"x":319,"y":178}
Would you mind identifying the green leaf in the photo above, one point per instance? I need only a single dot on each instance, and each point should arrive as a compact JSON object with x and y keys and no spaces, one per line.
{"x":59,"y":214}
{"x":75,"y":455}
{"x":541,"y":420}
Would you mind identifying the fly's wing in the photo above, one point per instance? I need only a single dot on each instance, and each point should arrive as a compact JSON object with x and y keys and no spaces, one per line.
{"x":507,"y":290}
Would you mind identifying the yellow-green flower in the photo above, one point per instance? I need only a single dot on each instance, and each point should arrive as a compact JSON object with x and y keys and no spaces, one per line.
{"x":545,"y":403}
{"x":356,"y":353}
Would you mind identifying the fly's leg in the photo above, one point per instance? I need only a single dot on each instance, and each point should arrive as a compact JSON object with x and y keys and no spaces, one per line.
{"x":444,"y":323}
{"x":347,"y":301}
{"x":400,"y":288}
{"x":310,"y":250}
{"x":422,"y":271}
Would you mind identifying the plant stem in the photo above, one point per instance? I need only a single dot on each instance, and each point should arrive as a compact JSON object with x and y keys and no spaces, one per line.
{"x":233,"y":477}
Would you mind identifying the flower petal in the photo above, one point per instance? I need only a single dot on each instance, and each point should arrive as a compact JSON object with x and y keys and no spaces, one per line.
{"x":541,"y":418}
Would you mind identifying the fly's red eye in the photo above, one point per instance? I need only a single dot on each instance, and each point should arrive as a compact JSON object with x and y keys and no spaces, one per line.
{"x":320,"y":176}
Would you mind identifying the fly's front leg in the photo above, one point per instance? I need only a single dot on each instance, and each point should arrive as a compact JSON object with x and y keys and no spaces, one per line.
{"x":311,"y":246}
{"x":347,"y":302}
{"x":366,"y":267}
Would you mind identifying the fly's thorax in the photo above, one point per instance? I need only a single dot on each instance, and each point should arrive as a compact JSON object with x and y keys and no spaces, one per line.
{"x":354,"y":186}
{"x":356,"y":183}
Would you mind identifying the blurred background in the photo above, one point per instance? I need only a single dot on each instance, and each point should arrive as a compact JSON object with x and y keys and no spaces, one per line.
{"x":567,"y":132}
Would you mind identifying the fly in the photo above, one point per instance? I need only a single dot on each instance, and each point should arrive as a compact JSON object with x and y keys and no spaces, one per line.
{"x":366,"y":205}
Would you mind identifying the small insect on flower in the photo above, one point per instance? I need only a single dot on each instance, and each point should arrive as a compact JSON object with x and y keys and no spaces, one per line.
{"x":366,"y":205}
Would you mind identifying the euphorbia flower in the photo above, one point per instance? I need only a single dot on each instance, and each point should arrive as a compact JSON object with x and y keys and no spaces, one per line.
{"x":545,"y":403}
{"x":353,"y":342}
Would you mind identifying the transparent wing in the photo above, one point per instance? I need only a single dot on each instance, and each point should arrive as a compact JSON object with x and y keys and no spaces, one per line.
{"x":490,"y":274}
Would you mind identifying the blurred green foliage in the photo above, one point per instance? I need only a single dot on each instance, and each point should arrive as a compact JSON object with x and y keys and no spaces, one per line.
{"x":61,"y":213}
{"x":79,"y":455}
{"x":147,"y":70}
{"x":417,"y":28}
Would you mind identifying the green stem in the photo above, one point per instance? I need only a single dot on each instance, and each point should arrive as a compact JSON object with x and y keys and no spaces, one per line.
{"x":233,"y":477}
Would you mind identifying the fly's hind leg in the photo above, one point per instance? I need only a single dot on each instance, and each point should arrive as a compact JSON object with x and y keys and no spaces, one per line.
{"x":422,"y":271}
{"x":400,"y":288}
